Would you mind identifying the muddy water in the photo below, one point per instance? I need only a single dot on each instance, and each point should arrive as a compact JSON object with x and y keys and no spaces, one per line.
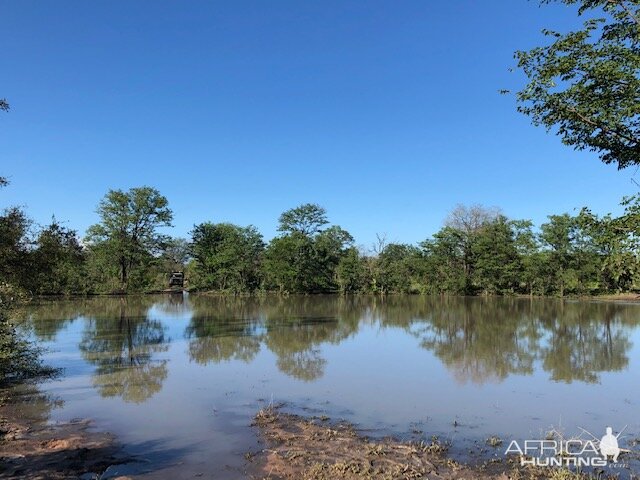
{"x":178,"y":378}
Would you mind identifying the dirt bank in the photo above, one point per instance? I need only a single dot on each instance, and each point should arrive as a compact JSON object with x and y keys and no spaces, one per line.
{"x":297,"y":448}
{"x":31,"y":449}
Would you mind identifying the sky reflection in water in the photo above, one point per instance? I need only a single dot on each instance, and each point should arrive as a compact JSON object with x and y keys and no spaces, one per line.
{"x":178,"y":379}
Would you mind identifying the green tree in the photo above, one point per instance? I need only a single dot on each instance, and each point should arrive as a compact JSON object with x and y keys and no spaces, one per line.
{"x":127,"y":236}
{"x":307,"y":219}
{"x":531,"y":258}
{"x":58,"y":260}
{"x":450,"y":255}
{"x":352,"y":275}
{"x":305,"y":258}
{"x":585,"y":84}
{"x":15,"y":247}
{"x":445,"y":262}
{"x":497,"y":264}
{"x":468,"y":222}
{"x":398,"y":269}
{"x":19,"y":357}
{"x":616,"y":241}
{"x":627,"y":228}
{"x":558,"y":235}
{"x":288,"y":263}
{"x":330,"y":246}
{"x":177,"y":253}
{"x":227,"y":257}
{"x":175,"y":256}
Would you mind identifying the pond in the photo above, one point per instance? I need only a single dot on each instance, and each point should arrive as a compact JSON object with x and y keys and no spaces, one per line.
{"x":178,"y":378}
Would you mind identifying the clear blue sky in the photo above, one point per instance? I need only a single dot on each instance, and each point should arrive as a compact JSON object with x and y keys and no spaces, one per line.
{"x":386,"y":113}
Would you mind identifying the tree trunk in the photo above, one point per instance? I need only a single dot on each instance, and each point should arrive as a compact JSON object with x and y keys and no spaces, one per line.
{"x":123,"y":273}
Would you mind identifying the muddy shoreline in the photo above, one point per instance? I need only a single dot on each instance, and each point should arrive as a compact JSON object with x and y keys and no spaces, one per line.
{"x":31,"y":448}
{"x":315,"y":448}
{"x":293,"y":448}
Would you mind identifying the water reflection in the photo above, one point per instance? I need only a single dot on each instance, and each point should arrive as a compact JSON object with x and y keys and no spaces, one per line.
{"x":582,"y":350}
{"x":235,"y":328}
{"x":482,"y":340}
{"x":295,"y":332}
{"x":478,"y":340}
{"x":121,"y":342}
{"x":223,"y":329}
{"x":48,"y":318}
{"x":30,"y":401}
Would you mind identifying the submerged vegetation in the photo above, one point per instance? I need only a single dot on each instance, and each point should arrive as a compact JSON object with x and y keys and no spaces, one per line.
{"x":315,"y":449}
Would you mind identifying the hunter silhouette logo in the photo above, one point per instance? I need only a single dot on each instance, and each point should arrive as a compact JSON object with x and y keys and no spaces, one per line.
{"x":609,"y":445}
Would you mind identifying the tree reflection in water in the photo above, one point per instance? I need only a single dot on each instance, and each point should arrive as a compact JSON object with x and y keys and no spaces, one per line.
{"x":484,"y":340}
{"x":588,"y":340}
{"x":224,"y":329}
{"x":122,"y":341}
{"x":477,"y":339}
{"x":293,"y":329}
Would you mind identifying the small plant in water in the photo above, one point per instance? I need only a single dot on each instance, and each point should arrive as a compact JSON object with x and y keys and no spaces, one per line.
{"x":436,"y":446}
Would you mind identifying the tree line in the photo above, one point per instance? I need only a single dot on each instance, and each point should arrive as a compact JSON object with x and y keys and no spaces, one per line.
{"x":478,"y":251}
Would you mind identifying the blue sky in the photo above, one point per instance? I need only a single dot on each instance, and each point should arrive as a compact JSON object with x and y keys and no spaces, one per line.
{"x":386,"y":113}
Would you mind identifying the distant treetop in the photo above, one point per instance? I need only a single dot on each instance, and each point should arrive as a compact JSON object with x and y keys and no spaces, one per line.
{"x":307,"y":219}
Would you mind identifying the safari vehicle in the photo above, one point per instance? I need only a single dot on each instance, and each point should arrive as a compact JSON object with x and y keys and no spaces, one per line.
{"x":176,"y":279}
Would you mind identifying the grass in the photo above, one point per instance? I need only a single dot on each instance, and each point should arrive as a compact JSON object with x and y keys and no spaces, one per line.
{"x":317,"y":449}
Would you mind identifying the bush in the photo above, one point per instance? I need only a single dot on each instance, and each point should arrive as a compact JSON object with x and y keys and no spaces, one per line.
{"x":19,"y":357}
